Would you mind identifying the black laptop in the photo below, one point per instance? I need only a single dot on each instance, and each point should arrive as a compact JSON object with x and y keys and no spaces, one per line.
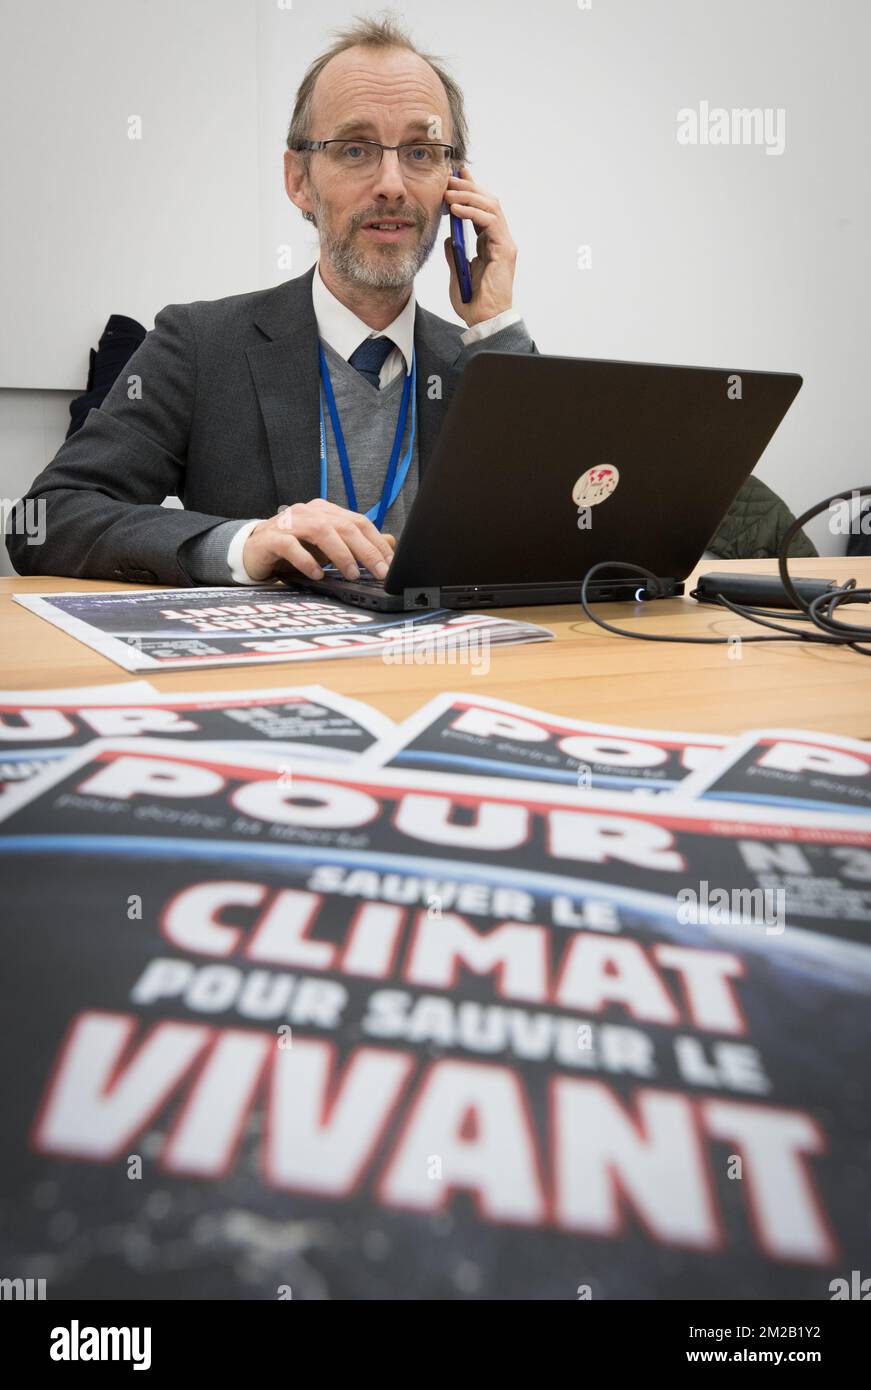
{"x":546,"y":466}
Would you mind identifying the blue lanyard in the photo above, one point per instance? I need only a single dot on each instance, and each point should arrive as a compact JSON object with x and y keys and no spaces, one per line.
{"x":397,"y":470}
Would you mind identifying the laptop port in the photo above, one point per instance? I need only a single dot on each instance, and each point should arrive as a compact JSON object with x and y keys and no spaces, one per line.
{"x":474,"y":600}
{"x":422,"y":598}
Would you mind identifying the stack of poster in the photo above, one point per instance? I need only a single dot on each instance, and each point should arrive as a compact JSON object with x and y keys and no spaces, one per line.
{"x":30,"y":719}
{"x":505,"y":1005}
{"x":189,"y":629}
{"x":790,"y":768}
{"x":294,"y":721}
{"x":478,"y":736}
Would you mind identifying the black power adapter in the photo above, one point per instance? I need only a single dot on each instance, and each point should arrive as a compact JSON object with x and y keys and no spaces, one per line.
{"x":758,"y":590}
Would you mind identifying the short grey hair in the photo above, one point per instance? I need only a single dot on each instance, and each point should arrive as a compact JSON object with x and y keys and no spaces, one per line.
{"x":374,"y":33}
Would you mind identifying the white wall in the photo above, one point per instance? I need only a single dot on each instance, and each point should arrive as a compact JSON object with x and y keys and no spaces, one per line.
{"x":95,"y":221}
{"x":721,"y":256}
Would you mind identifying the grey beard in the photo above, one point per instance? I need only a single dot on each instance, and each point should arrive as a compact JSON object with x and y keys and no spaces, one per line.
{"x":390,"y":273}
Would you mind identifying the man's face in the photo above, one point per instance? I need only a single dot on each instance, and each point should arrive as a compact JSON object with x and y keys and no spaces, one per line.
{"x":394,"y":97}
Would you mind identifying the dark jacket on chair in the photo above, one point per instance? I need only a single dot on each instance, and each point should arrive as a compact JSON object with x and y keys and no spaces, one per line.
{"x":118,"y":342}
{"x":754,"y":524}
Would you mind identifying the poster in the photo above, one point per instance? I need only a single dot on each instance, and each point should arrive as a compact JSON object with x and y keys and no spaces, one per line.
{"x":27,"y":716}
{"x":303,"y":720}
{"x":177,"y":629}
{"x":480,"y":736}
{"x":381,"y":1034}
{"x":790,"y":768}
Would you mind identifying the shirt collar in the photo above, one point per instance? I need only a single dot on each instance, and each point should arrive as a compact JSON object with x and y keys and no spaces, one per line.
{"x":344,"y":331}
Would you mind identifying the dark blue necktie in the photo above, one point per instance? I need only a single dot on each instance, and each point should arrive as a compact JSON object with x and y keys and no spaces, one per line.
{"x":369,"y":358}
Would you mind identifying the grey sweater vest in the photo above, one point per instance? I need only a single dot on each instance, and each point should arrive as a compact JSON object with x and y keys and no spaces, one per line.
{"x":368,"y":419}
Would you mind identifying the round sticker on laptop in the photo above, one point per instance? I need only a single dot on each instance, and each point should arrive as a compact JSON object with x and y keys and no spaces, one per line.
{"x":595,"y":485}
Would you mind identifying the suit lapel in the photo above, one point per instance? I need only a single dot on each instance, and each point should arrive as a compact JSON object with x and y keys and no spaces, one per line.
{"x":286,"y":379}
{"x":436,"y":382}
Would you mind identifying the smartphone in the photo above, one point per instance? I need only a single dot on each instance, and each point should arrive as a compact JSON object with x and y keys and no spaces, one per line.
{"x":458,"y":250}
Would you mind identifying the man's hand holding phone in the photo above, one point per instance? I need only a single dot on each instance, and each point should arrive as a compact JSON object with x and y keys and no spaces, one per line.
{"x":309,"y":535}
{"x":492,"y":269}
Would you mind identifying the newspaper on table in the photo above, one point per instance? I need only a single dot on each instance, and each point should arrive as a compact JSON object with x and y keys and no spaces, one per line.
{"x":303,"y":720}
{"x":790,"y":768}
{"x":31,"y":718}
{"x":175,"y":629}
{"x":391,"y":1034}
{"x":479,"y":736}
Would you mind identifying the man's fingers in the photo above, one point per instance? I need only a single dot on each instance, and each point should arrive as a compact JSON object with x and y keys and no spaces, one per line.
{"x":480,"y":216}
{"x":295,"y":553}
{"x":365,"y":551}
{"x":331,"y":544}
{"x":375,"y":538}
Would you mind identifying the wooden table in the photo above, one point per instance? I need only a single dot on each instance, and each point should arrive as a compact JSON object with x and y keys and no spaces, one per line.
{"x":585,"y":672}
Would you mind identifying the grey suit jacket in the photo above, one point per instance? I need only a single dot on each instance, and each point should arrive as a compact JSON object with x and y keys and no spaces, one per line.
{"x":226,"y":418}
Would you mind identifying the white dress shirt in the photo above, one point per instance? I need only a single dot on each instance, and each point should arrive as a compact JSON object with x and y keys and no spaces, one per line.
{"x":344,"y":331}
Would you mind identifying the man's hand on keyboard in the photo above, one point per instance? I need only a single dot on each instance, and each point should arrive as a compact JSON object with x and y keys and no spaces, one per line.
{"x":309,"y":535}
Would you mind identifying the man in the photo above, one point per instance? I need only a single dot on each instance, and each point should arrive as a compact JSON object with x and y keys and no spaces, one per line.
{"x":223,"y":402}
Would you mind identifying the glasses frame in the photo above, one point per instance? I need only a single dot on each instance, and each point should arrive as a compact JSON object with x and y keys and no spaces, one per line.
{"x":316,"y":145}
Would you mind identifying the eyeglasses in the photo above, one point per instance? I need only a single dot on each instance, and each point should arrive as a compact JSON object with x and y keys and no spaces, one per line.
{"x":362,"y":157}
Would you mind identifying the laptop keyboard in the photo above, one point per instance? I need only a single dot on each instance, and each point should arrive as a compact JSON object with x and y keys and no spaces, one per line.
{"x":330,"y":572}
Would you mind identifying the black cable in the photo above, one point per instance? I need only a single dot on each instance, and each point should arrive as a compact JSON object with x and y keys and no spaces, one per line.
{"x":848,"y":634}
{"x":656,"y":636}
{"x":830,"y":632}
{"x":744,"y":611}
{"x":853,"y":632}
{"x":748,"y":608}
